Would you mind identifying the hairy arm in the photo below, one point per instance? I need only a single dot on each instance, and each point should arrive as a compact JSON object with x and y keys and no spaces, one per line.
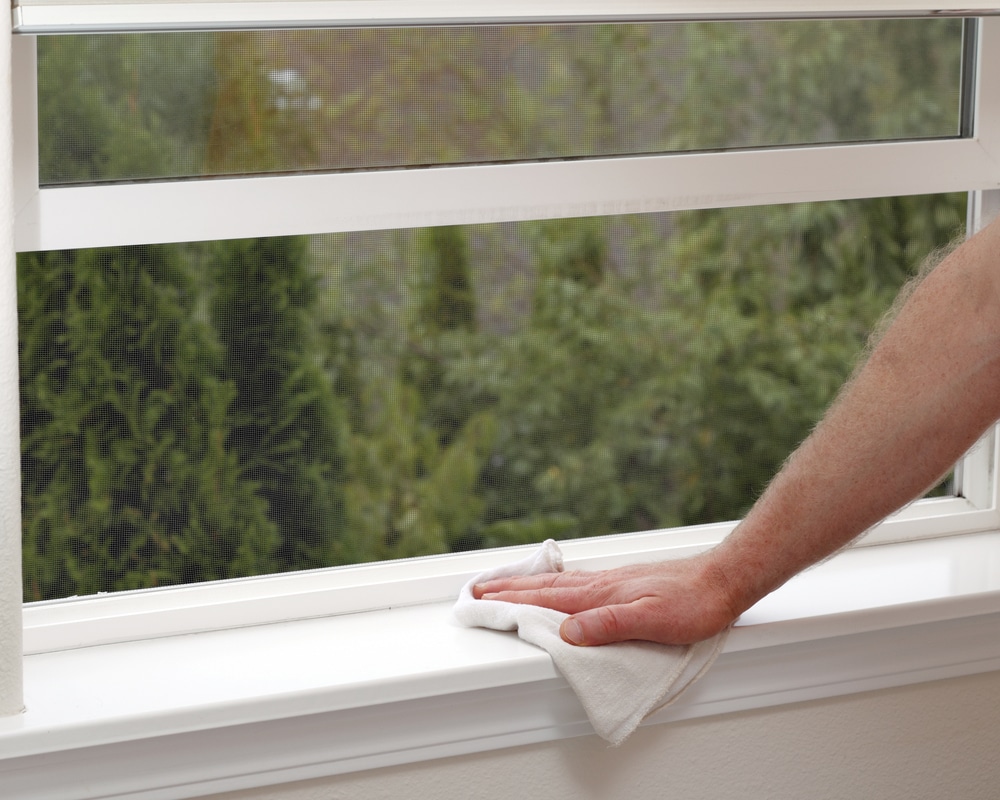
{"x":929,"y":389}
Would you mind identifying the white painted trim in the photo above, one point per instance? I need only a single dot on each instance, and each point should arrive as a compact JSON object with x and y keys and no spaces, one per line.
{"x":984,"y":204}
{"x":198,"y":210}
{"x":244,"y":708}
{"x":10,"y":450}
{"x":87,"y":216}
{"x":152,"y":613}
{"x":976,"y":473}
{"x":987,"y":207}
{"x":987,"y":121}
{"x":24,"y":66}
{"x":59,"y":16}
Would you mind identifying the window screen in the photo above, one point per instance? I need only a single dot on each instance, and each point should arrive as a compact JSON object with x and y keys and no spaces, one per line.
{"x":136,"y":107}
{"x":198,"y":411}
{"x":201,"y":411}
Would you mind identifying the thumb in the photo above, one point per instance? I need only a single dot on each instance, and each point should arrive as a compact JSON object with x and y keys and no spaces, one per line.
{"x":602,"y":625}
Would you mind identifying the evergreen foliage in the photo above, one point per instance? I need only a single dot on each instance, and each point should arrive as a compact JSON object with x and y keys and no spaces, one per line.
{"x":128,"y":481}
{"x":286,"y":422}
{"x":448,"y":301}
{"x":247,"y":130}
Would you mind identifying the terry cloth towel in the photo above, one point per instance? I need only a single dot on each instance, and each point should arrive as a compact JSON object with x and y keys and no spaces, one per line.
{"x":619,"y":684}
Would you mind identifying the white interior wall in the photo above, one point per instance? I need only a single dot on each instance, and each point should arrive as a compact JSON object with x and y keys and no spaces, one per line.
{"x":932,"y":740}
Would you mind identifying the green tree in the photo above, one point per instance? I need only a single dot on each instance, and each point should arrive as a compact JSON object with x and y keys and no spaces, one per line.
{"x":417,"y":457}
{"x":123,"y":107}
{"x":559,"y":383}
{"x":776,"y":305}
{"x":408,"y":493}
{"x":287,"y":423}
{"x":127,"y":479}
{"x":85,"y":117}
{"x":447,"y":301}
{"x":441,"y":327}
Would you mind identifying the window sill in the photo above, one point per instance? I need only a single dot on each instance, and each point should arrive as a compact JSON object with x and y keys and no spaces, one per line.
{"x":245,"y":707}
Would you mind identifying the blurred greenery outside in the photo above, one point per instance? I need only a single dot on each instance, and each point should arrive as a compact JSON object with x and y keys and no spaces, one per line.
{"x":194,"y":412}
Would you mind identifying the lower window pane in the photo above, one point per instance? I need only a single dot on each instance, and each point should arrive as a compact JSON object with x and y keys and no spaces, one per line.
{"x":204,"y":411}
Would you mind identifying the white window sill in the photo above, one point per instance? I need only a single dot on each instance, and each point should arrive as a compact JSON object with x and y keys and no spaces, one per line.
{"x":187,"y":715}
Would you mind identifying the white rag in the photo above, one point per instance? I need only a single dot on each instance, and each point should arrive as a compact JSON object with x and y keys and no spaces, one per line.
{"x":619,"y":684}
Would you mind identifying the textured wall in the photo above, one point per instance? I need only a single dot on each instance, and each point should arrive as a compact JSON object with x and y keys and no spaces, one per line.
{"x":10,"y":458}
{"x":933,"y":740}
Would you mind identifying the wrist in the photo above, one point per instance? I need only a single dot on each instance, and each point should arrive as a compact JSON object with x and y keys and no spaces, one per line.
{"x":738,"y":577}
{"x":728,"y":595}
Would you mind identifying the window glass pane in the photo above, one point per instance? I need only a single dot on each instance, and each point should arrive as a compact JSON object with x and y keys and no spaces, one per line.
{"x":202,"y":411}
{"x":134,"y":107}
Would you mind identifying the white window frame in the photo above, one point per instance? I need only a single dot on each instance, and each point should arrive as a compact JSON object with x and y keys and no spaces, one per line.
{"x":132,"y":628}
{"x":192,"y":210}
{"x":77,"y":16}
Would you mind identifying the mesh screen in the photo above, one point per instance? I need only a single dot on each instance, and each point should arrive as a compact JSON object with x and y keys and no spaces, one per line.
{"x":204,"y":411}
{"x":146,"y":106}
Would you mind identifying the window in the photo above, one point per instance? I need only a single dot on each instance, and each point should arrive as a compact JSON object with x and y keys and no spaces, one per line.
{"x":196,"y":412}
{"x":441,"y":706}
{"x":96,"y":184}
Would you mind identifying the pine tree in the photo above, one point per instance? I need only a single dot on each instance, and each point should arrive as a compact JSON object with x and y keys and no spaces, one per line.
{"x":288,"y":428}
{"x":447,"y":301}
{"x":442,"y":324}
{"x":127,"y":479}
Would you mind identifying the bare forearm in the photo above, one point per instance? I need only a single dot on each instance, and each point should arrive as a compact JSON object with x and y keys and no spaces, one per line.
{"x":929,"y":389}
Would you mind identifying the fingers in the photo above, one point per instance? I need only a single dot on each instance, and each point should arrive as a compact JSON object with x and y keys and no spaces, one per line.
{"x":567,"y":600}
{"x":607,"y":625}
{"x":593,"y":622}
{"x":568,"y":592}
{"x":523,"y":583}
{"x":643,"y":620}
{"x":519,"y":583}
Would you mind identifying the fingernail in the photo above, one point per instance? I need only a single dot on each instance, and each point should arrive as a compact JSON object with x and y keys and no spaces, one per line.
{"x":572,"y":631}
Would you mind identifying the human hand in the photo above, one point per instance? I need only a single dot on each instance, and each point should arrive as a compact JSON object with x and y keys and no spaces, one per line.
{"x":670,"y":602}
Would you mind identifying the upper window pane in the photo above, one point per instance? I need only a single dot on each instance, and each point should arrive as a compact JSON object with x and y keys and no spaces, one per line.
{"x":149,"y":106}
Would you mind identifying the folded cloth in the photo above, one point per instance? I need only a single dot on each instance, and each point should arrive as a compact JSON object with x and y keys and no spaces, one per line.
{"x":619,"y":684}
